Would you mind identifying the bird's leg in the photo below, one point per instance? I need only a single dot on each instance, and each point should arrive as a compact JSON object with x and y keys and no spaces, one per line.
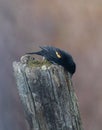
{"x":43,"y":58}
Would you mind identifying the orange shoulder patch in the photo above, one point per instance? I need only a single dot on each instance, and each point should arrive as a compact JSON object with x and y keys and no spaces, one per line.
{"x":58,"y":55}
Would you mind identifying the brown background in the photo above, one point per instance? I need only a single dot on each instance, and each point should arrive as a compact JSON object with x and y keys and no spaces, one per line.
{"x":75,"y":26}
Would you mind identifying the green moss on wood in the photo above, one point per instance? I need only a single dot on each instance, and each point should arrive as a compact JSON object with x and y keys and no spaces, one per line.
{"x":38,"y":63}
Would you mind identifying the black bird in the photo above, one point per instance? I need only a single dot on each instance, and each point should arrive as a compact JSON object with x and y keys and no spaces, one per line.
{"x":56,"y":55}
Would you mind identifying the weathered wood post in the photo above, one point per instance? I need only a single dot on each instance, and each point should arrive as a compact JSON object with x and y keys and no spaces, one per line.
{"x":47,"y":96}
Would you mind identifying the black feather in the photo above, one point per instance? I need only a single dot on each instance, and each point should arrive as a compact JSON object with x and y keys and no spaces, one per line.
{"x":56,"y":55}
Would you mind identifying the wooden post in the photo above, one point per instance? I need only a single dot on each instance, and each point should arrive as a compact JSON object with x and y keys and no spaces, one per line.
{"x":47,"y":96}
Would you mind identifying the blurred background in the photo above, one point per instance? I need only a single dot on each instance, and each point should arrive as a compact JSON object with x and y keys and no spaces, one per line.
{"x":75,"y":26}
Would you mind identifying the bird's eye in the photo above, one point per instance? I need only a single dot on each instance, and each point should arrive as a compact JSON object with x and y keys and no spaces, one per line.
{"x":58,"y":55}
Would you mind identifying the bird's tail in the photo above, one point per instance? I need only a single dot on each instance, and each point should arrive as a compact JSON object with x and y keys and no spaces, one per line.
{"x":32,"y":53}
